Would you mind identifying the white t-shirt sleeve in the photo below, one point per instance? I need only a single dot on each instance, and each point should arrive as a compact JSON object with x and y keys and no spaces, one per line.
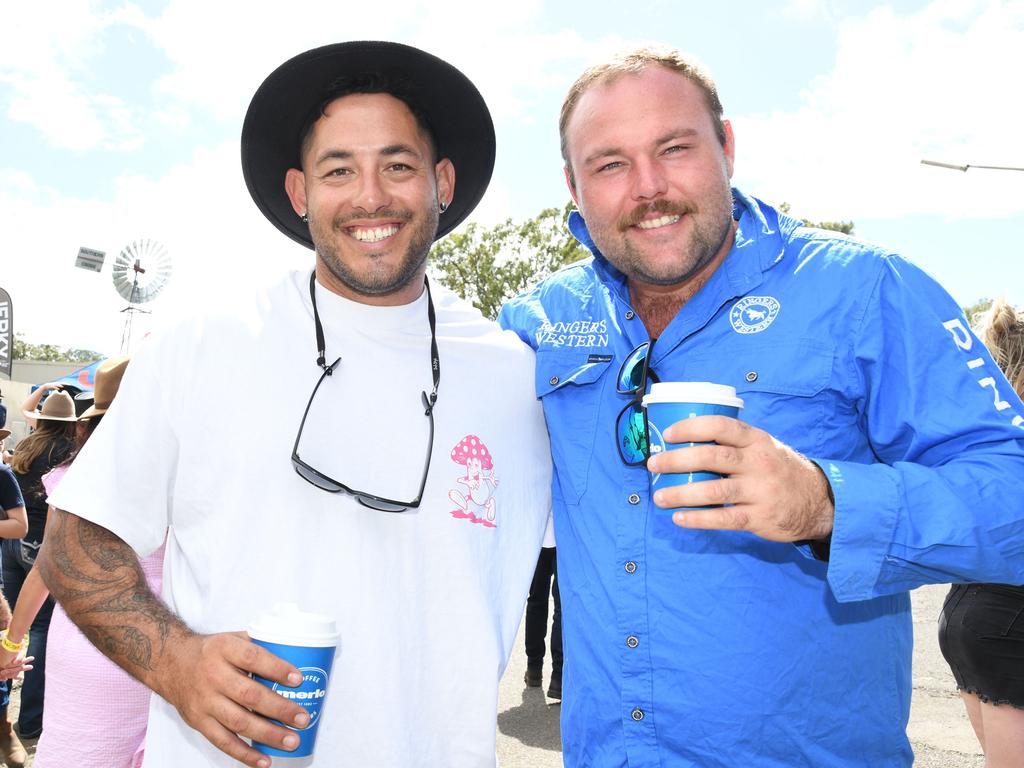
{"x":549,"y":533}
{"x":123,"y":477}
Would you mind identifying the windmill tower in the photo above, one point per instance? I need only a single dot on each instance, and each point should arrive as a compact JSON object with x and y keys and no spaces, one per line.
{"x":140,"y":272}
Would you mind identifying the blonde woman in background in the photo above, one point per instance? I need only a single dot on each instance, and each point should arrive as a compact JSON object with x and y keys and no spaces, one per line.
{"x":981,"y":630}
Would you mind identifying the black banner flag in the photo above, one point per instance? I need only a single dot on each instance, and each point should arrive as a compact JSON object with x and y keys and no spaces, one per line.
{"x":6,"y":333}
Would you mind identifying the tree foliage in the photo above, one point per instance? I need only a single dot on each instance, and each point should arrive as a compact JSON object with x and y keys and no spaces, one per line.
{"x":488,"y":266}
{"x":846,"y":227}
{"x":52,"y":353}
{"x":976,"y":309}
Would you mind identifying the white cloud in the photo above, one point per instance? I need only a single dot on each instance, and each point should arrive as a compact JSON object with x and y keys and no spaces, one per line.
{"x":509,"y":62}
{"x":936,"y":84}
{"x":806,"y":9}
{"x":45,"y":53}
{"x":73,"y":119}
{"x":201,"y":211}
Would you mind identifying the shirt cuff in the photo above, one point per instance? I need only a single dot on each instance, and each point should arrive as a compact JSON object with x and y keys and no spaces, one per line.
{"x":866,"y":512}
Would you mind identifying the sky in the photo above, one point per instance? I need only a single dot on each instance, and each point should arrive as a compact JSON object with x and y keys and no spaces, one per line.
{"x":120,"y":122}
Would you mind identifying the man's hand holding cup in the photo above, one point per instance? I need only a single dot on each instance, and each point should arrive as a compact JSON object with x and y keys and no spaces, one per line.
{"x":716,"y":472}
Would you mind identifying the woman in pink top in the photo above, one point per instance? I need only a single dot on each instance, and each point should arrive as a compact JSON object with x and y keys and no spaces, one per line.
{"x":94,"y":713}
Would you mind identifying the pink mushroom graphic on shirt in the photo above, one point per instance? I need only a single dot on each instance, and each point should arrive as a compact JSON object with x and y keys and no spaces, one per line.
{"x":479,"y":481}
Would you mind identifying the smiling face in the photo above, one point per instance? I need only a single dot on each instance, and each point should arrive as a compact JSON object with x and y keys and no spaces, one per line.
{"x":370,"y":188}
{"x":651,"y":177}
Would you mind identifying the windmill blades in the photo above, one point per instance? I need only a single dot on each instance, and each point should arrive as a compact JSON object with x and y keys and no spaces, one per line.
{"x":141,"y":270}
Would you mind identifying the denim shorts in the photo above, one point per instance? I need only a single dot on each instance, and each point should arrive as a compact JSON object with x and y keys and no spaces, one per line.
{"x":981,"y":635}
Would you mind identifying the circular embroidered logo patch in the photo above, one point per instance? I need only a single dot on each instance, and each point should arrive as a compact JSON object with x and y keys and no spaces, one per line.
{"x":752,"y":314}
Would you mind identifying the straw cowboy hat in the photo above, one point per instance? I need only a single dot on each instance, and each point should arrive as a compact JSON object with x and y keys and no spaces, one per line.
{"x":451,"y":104}
{"x":108,"y":379}
{"x":58,"y":406}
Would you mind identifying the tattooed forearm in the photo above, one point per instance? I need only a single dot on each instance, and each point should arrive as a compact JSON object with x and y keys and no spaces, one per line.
{"x":98,"y":580}
{"x":104,"y":549}
{"x":58,"y":540}
{"x":121,"y":641}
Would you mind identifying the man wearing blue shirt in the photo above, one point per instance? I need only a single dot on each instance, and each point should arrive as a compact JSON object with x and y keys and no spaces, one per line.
{"x":879,"y":448}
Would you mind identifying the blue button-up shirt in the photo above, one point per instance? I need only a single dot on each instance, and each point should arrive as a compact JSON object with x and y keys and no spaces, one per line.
{"x":717,"y":648}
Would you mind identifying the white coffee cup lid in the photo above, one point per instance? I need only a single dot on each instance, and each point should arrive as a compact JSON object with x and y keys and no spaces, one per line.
{"x":287,"y":624}
{"x":693,"y":392}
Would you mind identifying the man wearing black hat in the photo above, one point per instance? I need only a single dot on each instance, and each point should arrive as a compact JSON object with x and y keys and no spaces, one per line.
{"x":414,"y":504}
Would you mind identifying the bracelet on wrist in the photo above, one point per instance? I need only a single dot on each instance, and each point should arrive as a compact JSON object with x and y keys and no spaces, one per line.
{"x":8,"y":644}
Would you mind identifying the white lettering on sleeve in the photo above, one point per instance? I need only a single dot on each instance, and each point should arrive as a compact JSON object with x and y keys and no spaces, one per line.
{"x":961,"y":337}
{"x":988,"y":381}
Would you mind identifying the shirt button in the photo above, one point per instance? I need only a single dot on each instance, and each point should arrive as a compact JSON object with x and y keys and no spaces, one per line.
{"x":637,"y":714}
{"x":634,"y":498}
{"x":632,"y":641}
{"x":630,"y":314}
{"x":751,"y":376}
{"x":630,"y":567}
{"x":553,"y":380}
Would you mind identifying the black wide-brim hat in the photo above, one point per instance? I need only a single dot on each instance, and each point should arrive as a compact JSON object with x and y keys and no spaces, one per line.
{"x":452,"y":105}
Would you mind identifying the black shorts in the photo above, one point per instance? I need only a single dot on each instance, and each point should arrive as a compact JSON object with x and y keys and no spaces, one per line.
{"x":981,"y":634}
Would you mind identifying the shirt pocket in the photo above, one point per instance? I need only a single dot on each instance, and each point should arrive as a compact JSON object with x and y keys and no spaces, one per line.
{"x":785,"y":389}
{"x":569,"y":384}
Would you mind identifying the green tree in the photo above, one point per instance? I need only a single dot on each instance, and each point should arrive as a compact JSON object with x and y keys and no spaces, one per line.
{"x":976,"y":309}
{"x":488,"y":266}
{"x":52,"y":353}
{"x":846,"y":227}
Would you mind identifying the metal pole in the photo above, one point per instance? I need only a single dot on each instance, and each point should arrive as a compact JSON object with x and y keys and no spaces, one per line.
{"x":965,"y":167}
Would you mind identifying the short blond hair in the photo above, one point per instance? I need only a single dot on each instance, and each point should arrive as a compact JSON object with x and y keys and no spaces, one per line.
{"x":1001,"y":328}
{"x":632,"y":62}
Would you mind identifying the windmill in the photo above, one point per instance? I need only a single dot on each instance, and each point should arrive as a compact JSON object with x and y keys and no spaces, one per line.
{"x":140,"y":272}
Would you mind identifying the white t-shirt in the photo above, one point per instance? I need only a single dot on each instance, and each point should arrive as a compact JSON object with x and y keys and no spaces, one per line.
{"x":428,"y":602}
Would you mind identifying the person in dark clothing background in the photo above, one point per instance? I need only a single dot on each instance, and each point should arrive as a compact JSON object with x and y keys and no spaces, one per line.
{"x":49,"y":444}
{"x":13,"y":524}
{"x":545,"y":581}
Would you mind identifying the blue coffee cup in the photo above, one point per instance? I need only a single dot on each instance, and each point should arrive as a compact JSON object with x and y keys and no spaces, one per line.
{"x":671,"y":401}
{"x":309,"y":641}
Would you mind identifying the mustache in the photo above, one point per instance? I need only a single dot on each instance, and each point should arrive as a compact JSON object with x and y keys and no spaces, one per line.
{"x":388,"y":214}
{"x":664,"y":207}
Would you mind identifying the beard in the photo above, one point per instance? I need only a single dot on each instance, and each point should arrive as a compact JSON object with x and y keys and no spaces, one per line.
{"x":377,"y":278}
{"x":710,"y":224}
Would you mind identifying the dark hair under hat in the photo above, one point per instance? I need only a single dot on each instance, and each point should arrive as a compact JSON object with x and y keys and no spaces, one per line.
{"x":451,"y":105}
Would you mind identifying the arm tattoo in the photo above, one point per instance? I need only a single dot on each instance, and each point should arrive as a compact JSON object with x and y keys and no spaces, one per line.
{"x":99,"y":582}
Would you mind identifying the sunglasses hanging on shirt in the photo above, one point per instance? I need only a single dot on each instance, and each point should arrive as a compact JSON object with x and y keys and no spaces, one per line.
{"x":632,"y":435}
{"x":329,"y":484}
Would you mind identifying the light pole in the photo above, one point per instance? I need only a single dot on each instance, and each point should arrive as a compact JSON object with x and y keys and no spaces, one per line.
{"x":964,"y":168}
